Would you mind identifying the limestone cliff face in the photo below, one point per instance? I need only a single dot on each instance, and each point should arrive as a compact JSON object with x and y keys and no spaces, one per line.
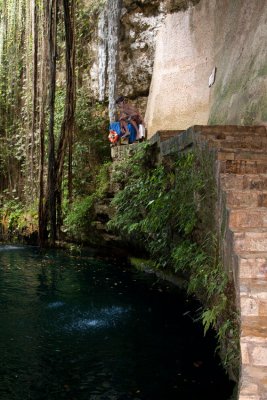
{"x":178,"y":43}
{"x":240,"y":53}
{"x":139,"y":26}
{"x":228,"y":35}
{"x":126,"y":44}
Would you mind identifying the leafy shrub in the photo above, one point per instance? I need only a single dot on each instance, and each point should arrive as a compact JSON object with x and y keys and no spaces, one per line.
{"x":91,"y":147}
{"x":18,"y":221}
{"x":77,"y":221}
{"x":169,"y":210}
{"x":80,"y":214}
{"x":158,"y":205}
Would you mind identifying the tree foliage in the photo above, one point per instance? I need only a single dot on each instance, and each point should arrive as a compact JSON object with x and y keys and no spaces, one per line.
{"x":42,"y":68}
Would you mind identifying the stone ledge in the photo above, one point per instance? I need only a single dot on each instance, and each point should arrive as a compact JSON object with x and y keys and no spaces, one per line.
{"x":245,"y":240}
{"x":214,"y":129}
{"x":246,"y":217}
{"x":243,"y":167}
{"x":253,"y":353}
{"x":176,"y":144}
{"x":248,"y":181}
{"x":252,"y":265}
{"x":253,"y":328}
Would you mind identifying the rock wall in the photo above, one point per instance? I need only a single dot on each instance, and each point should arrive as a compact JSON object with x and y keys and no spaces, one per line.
{"x":239,"y":47}
{"x":139,"y":26}
{"x":167,"y":50}
{"x":125,"y":56}
{"x":228,"y":35}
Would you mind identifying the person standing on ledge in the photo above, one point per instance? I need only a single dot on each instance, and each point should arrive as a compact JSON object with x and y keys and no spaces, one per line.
{"x":129,"y":114}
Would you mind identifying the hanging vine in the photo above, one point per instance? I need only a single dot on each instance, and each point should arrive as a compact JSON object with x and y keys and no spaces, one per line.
{"x":39,"y":139}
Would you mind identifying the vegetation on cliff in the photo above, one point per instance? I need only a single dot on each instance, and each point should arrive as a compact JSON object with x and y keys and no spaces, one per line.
{"x":168,"y":210}
{"x":52,"y":130}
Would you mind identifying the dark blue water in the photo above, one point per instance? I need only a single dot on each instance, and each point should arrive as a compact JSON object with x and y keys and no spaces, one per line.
{"x":80,"y":328}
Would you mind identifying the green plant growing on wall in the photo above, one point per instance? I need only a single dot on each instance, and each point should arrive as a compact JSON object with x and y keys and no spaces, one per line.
{"x":18,"y":220}
{"x":152,"y":205}
{"x":86,"y":16}
{"x":169,"y":210}
{"x":79,"y":216}
{"x":91,"y":148}
{"x":250,"y":114}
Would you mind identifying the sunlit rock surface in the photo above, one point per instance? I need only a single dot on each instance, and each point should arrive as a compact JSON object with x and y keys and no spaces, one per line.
{"x":230,"y":36}
{"x":178,"y":44}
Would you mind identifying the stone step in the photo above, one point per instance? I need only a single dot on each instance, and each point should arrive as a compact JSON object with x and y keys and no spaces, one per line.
{"x":254,"y":329}
{"x":253,"y":382}
{"x":228,"y":129}
{"x":253,"y":297}
{"x":242,"y":167}
{"x":165,"y":135}
{"x":248,"y":181}
{"x":247,"y":217}
{"x":245,"y":240}
{"x":253,"y":346}
{"x":241,"y":154}
{"x":246,"y":198}
{"x":251,"y":143}
{"x":104,"y":208}
{"x":99,"y":226}
{"x":252,"y":265}
{"x":161,"y":136}
{"x":233,"y":137}
{"x":254,"y":287}
{"x":108,"y":237}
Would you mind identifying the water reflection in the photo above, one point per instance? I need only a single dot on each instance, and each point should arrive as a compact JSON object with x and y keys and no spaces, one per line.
{"x":84,"y":329}
{"x":55,"y":304}
{"x":11,"y":247}
{"x":106,"y":317}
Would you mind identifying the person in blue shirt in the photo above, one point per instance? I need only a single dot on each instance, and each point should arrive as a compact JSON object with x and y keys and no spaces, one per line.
{"x":129,"y":114}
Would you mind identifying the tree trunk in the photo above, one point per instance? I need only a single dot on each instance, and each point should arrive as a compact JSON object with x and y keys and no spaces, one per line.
{"x":34,"y":92}
{"x":66,"y":135}
{"x":51,"y":184}
{"x":42,"y":209}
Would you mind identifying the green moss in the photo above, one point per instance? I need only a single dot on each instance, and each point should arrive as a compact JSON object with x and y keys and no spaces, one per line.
{"x":250,"y":114}
{"x":19,"y":222}
{"x":80,"y":214}
{"x":102,"y":180}
{"x":247,"y":109}
{"x":91,"y":145}
{"x":262,"y":71}
{"x":263,"y":108}
{"x":142,"y":264}
{"x":222,"y":96}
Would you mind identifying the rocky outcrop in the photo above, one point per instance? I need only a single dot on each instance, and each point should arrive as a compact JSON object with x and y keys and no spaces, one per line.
{"x":190,"y":44}
{"x":179,"y":43}
{"x":139,"y":26}
{"x":126,"y":43}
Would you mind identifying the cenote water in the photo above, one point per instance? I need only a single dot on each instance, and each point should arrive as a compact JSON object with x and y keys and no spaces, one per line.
{"x":82,"y":328}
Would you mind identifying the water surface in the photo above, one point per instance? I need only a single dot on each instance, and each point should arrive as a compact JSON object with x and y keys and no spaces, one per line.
{"x":81,"y":328}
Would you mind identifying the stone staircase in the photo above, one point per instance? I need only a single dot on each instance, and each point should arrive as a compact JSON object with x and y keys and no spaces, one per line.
{"x":240,"y":155}
{"x":246,"y":234}
{"x":241,"y":171}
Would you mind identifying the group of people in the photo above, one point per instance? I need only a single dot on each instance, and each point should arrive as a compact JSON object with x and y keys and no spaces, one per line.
{"x":130,"y":126}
